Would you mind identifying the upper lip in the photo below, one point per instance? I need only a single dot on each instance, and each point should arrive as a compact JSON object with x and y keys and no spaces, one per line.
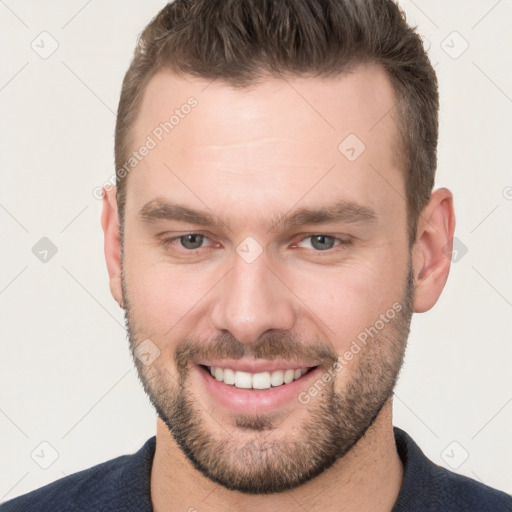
{"x":256,"y":366}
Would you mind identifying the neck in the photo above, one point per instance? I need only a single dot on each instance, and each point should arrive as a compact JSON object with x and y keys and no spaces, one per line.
{"x":367,"y":478}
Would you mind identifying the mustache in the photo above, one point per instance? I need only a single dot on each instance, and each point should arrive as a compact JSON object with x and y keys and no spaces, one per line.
{"x":274,"y":345}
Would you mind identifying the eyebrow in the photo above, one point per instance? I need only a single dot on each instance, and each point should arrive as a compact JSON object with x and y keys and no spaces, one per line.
{"x":340,"y":211}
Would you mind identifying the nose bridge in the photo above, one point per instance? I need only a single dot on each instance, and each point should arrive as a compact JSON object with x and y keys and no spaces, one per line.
{"x":252,"y":300}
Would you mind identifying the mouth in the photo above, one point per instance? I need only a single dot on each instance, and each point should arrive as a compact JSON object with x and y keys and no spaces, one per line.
{"x":258,"y":380}
{"x":254,"y":393}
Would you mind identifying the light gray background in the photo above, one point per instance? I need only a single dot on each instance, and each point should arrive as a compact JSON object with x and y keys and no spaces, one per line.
{"x":66,"y":375}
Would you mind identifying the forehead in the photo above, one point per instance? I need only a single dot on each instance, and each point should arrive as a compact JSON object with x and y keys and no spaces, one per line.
{"x":277,"y":140}
{"x":352,"y":100}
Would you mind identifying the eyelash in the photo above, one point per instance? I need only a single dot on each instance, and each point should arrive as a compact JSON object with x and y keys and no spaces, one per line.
{"x":342,"y":242}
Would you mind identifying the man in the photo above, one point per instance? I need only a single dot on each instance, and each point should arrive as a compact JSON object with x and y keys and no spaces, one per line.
{"x":272,"y":231}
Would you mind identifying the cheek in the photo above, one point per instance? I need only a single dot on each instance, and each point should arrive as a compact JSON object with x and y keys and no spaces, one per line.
{"x":164,"y":297}
{"x":347,"y":301}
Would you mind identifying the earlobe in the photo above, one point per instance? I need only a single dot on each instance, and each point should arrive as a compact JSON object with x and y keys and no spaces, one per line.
{"x":112,"y":242}
{"x":431,"y":253}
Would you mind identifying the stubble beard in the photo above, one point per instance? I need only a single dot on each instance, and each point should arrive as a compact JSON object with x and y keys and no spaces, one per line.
{"x":251,"y":456}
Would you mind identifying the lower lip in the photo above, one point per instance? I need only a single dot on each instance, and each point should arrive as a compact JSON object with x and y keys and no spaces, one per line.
{"x":252,"y":401}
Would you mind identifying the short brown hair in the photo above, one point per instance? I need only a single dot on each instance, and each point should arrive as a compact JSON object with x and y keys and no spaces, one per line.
{"x":240,"y":41}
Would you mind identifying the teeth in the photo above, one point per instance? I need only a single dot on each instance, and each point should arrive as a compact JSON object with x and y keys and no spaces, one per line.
{"x":263,"y":380}
{"x":229,"y":376}
{"x":288,"y":376}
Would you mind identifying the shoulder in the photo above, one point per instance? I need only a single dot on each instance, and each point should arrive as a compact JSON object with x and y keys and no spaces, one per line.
{"x":117,"y":484}
{"x":427,"y":486}
{"x":463,"y":493}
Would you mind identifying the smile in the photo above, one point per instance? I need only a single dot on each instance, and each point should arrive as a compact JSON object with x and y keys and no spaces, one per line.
{"x":242,"y":392}
{"x":260,"y":380}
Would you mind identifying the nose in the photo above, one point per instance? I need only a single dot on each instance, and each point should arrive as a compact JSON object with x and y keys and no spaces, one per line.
{"x":251,"y":300}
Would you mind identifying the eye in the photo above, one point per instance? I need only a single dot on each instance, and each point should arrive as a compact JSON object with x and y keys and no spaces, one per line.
{"x":190,"y":241}
{"x":323,"y":242}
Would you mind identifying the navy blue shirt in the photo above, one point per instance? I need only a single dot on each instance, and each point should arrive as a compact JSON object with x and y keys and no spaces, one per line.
{"x":123,"y":485}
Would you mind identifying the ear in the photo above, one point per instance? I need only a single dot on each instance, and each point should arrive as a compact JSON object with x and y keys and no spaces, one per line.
{"x":110,"y":225}
{"x":432,"y":251}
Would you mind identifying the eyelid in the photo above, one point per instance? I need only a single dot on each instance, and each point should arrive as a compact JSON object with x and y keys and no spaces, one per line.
{"x":168,"y":240}
{"x":342,"y":239}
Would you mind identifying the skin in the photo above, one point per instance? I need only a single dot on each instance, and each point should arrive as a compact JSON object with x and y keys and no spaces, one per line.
{"x":249,"y":156}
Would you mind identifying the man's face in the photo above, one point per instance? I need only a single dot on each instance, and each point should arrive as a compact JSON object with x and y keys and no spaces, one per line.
{"x":252,"y":287}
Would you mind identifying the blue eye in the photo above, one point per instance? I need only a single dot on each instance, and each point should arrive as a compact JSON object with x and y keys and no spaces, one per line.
{"x":323,"y":242}
{"x":191,"y":241}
